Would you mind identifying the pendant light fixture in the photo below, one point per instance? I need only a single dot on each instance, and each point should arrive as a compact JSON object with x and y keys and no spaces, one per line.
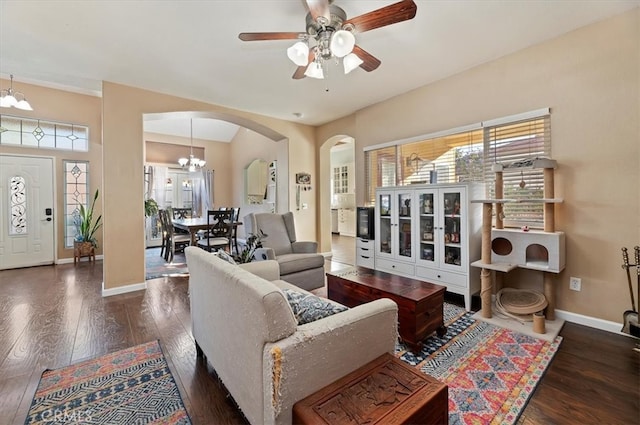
{"x":9,"y":98}
{"x":192,"y":163}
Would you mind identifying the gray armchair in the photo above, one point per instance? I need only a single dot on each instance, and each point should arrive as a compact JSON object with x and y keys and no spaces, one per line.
{"x":299,"y":261}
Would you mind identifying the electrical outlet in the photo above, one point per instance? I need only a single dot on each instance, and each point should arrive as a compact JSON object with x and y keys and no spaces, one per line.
{"x":575,"y":283}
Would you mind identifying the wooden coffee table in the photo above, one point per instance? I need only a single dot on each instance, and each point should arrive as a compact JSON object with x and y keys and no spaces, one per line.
{"x":420,"y":303}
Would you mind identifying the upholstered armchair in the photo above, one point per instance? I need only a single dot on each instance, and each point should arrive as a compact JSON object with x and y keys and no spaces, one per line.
{"x":299,"y":261}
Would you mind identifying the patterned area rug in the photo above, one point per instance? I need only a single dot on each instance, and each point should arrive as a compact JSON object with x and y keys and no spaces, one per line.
{"x":131,"y":386}
{"x":491,"y":371}
{"x":156,"y":266}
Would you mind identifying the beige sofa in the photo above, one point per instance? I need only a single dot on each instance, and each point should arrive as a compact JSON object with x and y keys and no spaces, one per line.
{"x":243,"y":324}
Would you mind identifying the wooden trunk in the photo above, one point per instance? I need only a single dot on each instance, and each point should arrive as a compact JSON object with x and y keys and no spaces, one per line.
{"x":384,"y":391}
{"x":420,"y":303}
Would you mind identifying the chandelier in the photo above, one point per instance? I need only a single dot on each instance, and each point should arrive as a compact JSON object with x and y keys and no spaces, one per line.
{"x":192,"y":163}
{"x":9,"y":98}
{"x":331,"y":41}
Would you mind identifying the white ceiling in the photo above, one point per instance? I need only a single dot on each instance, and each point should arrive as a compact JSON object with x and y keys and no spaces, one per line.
{"x":191,"y":48}
{"x":203,"y":128}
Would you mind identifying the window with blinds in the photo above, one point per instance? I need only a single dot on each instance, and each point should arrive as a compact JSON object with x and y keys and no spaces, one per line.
{"x":380,"y":170}
{"x":468,"y":156}
{"x":513,"y":145}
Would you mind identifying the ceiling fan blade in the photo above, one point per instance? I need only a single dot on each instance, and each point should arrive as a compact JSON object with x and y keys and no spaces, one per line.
{"x":299,"y":74}
{"x":369,"y":62}
{"x":259,"y":36}
{"x":397,"y":12}
{"x":319,"y":8}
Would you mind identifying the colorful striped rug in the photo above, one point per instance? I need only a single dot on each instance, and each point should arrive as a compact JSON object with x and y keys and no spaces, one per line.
{"x":491,"y":371}
{"x":131,"y":386}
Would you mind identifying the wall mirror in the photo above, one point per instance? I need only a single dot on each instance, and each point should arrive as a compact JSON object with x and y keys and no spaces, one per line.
{"x":256,"y":178}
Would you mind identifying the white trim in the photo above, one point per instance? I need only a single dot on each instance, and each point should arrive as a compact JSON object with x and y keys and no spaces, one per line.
{"x":123,"y":289}
{"x":70,"y":260}
{"x":518,"y":117}
{"x":443,"y":133}
{"x":592,"y":322}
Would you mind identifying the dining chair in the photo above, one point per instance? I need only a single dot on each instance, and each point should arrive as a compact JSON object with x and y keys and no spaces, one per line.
{"x":219,"y":231}
{"x":234,"y":231}
{"x":163,"y":231}
{"x":174,"y":240}
{"x":182,"y":212}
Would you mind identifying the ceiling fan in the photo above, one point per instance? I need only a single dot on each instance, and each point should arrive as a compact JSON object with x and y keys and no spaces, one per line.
{"x":330,"y":35}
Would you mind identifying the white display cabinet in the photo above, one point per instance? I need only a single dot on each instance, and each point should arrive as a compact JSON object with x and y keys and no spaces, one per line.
{"x":431,"y":232}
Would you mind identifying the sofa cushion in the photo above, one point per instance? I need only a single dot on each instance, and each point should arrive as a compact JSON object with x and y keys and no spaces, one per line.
{"x":309,"y":308}
{"x":292,"y":263}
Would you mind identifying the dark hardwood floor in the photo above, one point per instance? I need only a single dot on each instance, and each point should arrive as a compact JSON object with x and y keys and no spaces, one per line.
{"x":53,"y":316}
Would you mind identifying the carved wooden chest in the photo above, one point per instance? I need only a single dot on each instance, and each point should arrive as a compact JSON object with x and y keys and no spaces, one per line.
{"x":384,"y":391}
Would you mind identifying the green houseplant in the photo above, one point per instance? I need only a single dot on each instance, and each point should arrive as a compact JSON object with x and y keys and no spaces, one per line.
{"x":150,"y":207}
{"x":86,"y":226}
{"x":254,"y":242}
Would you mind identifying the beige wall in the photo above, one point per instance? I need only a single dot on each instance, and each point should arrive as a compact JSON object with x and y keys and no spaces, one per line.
{"x":71,"y":108}
{"x":246,"y":147}
{"x":217,"y":155}
{"x":590,"y":78}
{"x":123,"y":108}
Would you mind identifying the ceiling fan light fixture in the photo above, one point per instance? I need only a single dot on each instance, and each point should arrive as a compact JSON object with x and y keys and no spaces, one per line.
{"x":299,"y":53}
{"x":342,"y":43}
{"x":351,"y":62}
{"x":314,"y":70}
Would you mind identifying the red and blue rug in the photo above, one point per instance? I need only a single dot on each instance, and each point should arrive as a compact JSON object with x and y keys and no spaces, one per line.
{"x":131,"y":386}
{"x":491,"y":371}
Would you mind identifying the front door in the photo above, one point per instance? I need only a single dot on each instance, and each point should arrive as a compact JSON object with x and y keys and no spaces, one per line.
{"x":26,"y":211}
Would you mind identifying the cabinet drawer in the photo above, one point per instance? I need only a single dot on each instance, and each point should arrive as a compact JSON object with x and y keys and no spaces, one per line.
{"x":439,"y":276}
{"x":365,"y":261}
{"x":391,"y":266}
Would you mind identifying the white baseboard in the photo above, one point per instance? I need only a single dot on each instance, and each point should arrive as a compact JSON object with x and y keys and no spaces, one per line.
{"x":592,"y":322}
{"x":70,"y":260}
{"x":328,"y":254}
{"x":123,"y":289}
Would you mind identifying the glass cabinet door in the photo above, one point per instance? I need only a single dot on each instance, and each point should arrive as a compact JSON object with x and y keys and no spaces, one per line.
{"x":452,"y":235}
{"x":427,"y":227}
{"x":384,"y":223}
{"x":404,"y":227}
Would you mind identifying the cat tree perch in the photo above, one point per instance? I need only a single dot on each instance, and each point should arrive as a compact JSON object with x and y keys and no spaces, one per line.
{"x":506,"y":249}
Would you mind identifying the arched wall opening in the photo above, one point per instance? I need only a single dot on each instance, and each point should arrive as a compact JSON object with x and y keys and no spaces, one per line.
{"x":325,"y":201}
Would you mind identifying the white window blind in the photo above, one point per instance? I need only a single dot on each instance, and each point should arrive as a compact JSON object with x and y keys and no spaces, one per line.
{"x":380,"y":170}
{"x":515,"y":144}
{"x":467,"y":154}
{"x":448,"y":159}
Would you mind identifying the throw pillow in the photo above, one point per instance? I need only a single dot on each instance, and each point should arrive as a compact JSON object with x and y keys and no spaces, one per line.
{"x":309,"y":308}
{"x":223,"y":255}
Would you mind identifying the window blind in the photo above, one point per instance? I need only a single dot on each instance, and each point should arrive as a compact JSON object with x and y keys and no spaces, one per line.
{"x":380,"y":170}
{"x":512,"y":145}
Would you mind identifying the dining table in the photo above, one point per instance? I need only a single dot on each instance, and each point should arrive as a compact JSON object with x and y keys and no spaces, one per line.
{"x":194,"y":225}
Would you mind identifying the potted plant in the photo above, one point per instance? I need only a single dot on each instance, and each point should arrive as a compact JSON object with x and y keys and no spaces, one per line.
{"x":254,"y":242}
{"x":150,"y":207}
{"x":85,"y":241}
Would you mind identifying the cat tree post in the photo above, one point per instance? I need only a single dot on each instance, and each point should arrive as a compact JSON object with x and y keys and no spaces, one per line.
{"x":549,"y":226}
{"x":499,"y":189}
{"x":549,"y":208}
{"x":485,"y":274}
